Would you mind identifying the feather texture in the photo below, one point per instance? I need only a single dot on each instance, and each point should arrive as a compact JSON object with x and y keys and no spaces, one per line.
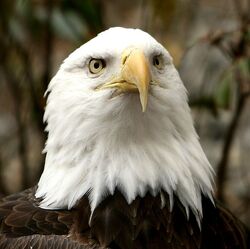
{"x":116,"y":224}
{"x":97,"y":143}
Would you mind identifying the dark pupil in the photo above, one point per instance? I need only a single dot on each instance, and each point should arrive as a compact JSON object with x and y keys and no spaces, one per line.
{"x":96,"y":65}
{"x":157,"y":62}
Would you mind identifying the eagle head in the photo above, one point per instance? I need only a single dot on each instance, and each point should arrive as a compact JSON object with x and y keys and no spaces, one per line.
{"x":117,"y":118}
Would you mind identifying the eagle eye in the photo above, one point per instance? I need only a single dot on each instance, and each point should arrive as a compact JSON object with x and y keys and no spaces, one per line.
{"x":158,"y":62}
{"x":96,"y":65}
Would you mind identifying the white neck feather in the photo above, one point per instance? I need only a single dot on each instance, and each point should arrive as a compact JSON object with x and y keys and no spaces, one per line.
{"x":96,"y":146}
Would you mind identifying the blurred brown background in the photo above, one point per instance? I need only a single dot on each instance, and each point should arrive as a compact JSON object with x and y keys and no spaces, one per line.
{"x":208,"y":39}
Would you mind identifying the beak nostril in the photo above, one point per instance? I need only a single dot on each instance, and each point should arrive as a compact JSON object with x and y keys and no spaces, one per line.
{"x":125,"y":55}
{"x":124,"y":59}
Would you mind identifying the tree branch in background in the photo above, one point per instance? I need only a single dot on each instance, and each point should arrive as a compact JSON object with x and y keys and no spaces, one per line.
{"x":48,"y":42}
{"x":223,"y":163}
{"x":47,"y":62}
{"x":15,"y":91}
{"x":12,"y":84}
{"x":3,"y":190}
{"x":236,"y":49}
{"x":36,"y":95}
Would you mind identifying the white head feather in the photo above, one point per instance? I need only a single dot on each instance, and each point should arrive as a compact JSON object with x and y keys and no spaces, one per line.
{"x":97,"y":143}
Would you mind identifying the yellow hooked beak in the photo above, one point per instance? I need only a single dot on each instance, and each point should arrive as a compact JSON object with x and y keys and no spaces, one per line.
{"x":135,"y":76}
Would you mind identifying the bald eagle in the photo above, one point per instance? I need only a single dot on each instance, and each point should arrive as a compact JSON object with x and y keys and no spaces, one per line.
{"x":124,"y":167}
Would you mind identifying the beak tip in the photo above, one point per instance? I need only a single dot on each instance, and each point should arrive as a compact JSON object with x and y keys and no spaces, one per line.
{"x":144,"y":106}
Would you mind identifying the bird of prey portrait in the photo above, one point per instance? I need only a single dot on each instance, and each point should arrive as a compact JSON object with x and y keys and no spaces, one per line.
{"x":124,"y":168}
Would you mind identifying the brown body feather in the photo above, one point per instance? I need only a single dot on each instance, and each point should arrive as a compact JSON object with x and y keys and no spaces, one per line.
{"x":145,"y":223}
